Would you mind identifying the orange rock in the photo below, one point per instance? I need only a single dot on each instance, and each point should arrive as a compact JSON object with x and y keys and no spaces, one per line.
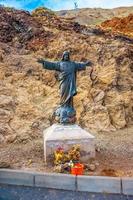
{"x":120,"y":25}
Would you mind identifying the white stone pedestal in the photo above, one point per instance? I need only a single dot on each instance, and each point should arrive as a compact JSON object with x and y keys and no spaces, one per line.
{"x":66,"y":136}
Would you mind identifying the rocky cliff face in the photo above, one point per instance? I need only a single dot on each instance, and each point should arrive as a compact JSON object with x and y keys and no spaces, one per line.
{"x":29,"y":94}
{"x":122,"y":25}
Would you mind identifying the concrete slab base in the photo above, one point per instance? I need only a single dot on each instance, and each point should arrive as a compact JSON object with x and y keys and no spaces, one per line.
{"x":98,"y":184}
{"x":66,"y":136}
{"x":92,"y":184}
{"x":57,"y":181}
{"x":127,"y":184}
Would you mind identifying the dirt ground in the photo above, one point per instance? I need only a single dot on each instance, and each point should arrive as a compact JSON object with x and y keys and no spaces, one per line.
{"x":114,"y":154}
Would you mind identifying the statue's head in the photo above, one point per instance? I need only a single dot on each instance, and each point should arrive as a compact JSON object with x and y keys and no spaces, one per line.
{"x":66,"y":56}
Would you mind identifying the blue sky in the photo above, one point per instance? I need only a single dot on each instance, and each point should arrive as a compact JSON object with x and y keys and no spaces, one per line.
{"x":65,"y":4}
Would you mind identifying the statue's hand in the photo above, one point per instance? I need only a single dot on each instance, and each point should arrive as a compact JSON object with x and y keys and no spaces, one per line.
{"x":40,"y":60}
{"x":89,"y":63}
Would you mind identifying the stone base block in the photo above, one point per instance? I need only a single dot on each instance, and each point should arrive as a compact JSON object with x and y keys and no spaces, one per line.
{"x":66,"y":136}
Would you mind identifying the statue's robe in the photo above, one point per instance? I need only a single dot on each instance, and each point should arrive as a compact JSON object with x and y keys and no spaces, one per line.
{"x":67,"y":77}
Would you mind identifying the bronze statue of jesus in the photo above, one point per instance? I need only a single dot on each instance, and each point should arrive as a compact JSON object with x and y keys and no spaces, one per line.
{"x":67,"y":77}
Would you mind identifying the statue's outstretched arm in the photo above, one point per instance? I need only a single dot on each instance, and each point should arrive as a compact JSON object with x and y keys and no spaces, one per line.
{"x":49,"y":65}
{"x":82,"y":66}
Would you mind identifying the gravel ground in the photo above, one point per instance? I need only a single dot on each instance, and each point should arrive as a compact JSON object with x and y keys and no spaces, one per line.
{"x":114,"y":154}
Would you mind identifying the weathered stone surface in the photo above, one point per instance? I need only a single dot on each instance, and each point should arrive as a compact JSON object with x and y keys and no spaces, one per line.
{"x":118,"y":116}
{"x":6,"y":102}
{"x":66,"y":136}
{"x":97,"y":118}
{"x":97,"y":95}
{"x":10,"y":138}
{"x":5,"y":165}
{"x":5,"y":129}
{"x":5,"y":115}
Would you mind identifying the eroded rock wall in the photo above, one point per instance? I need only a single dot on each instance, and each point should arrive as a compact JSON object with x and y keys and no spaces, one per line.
{"x":29,"y":94}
